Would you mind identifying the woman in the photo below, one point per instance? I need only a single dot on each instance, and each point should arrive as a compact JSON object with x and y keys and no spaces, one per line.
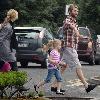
{"x":6,"y":30}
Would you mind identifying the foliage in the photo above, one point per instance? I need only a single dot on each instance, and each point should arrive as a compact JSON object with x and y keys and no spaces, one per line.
{"x":12,"y":78}
{"x":89,"y":14}
{"x":31,"y":95}
{"x":51,"y":13}
{"x":41,"y":94}
{"x":35,"y":95}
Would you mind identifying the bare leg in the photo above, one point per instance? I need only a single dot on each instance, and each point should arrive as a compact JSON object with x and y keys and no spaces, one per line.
{"x":37,"y":86}
{"x":41,"y":84}
{"x":58,"y":86}
{"x":58,"y":89}
{"x":54,"y":84}
{"x":81,"y":76}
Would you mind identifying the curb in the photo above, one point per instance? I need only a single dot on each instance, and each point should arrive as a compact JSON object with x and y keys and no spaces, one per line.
{"x":68,"y":98}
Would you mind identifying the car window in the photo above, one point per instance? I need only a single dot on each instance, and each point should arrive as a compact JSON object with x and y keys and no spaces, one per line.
{"x":48,"y":35}
{"x":27,"y":33}
{"x":60,"y":33}
{"x":84,"y":32}
{"x":98,"y":38}
{"x":60,"y":30}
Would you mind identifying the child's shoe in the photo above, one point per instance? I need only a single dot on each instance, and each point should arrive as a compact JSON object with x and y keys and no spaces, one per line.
{"x":61,"y":93}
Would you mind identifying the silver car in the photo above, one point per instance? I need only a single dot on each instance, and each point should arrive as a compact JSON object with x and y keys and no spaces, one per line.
{"x":30,"y":42}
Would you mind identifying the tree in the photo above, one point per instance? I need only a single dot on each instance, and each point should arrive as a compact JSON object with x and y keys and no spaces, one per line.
{"x":89,"y":14}
{"x":51,"y":13}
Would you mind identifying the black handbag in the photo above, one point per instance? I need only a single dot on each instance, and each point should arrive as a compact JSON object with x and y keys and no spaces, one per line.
{"x":14,"y":42}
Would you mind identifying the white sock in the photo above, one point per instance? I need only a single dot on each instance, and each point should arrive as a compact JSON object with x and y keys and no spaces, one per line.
{"x":58,"y":90}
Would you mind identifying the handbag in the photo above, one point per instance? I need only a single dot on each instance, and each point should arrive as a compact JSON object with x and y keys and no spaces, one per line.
{"x":6,"y":67}
{"x":14,"y":42}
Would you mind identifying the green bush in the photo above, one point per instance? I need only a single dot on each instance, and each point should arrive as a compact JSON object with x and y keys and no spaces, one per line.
{"x":41,"y":94}
{"x":12,"y":78}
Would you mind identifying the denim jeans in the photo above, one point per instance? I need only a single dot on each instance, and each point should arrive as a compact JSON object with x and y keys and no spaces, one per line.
{"x":54,"y":72}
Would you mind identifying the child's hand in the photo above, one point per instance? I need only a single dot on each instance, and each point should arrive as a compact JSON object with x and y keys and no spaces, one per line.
{"x":62,"y":64}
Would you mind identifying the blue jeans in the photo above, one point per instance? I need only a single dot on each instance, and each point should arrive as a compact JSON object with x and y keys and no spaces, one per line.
{"x":54,"y":72}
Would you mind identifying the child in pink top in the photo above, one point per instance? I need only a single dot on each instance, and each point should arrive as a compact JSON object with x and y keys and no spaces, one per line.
{"x":53,"y":67}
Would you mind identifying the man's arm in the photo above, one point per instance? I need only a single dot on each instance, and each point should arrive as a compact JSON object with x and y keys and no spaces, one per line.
{"x":77,"y":33}
{"x":66,"y":24}
{"x":72,"y":26}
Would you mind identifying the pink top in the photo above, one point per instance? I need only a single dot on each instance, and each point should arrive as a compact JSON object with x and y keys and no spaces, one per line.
{"x":56,"y":57}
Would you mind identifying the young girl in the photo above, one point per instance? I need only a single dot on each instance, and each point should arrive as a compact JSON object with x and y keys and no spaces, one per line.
{"x":53,"y":67}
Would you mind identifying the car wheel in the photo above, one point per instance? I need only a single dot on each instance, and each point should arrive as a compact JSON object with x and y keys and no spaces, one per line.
{"x":92,"y":59}
{"x":24,"y":63}
{"x":97,"y":62}
{"x":44,"y":64}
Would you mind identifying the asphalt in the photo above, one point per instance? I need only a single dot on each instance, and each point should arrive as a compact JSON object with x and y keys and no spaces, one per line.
{"x":74,"y":88}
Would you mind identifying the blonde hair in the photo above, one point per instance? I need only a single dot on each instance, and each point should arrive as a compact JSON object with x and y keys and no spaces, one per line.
{"x":48,"y":45}
{"x":71,"y":7}
{"x":56,"y":42}
{"x":12,"y":14}
{"x":51,"y":45}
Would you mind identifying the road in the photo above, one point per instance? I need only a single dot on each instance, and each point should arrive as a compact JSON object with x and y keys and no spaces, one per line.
{"x":73,"y":86}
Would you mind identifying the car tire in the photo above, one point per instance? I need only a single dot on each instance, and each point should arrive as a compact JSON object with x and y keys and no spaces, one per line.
{"x":92,"y":59}
{"x":24,"y":63}
{"x":97,"y":62}
{"x":44,"y":64}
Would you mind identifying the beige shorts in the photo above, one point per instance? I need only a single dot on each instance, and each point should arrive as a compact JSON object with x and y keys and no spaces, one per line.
{"x":70,"y":57}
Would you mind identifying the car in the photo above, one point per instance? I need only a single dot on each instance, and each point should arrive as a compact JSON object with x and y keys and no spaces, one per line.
{"x":30,"y":43}
{"x":60,"y":35}
{"x":86,"y":48}
{"x":97,"y":56}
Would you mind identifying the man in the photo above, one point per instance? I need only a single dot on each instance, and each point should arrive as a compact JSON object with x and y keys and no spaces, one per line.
{"x":70,"y":56}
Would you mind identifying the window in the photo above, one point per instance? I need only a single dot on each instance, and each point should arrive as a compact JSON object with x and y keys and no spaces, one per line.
{"x":84,"y":32}
{"x":48,"y":35}
{"x":27,"y":33}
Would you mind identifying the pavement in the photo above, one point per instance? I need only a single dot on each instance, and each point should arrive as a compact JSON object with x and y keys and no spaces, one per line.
{"x":77,"y":91}
{"x":74,"y":88}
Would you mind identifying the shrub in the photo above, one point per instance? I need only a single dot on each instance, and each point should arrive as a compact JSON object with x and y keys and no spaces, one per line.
{"x":12,"y":78}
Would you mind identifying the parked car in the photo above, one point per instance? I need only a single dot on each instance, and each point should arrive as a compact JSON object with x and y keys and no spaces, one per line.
{"x":60,"y":35}
{"x":86,"y":48}
{"x":30,"y":42}
{"x":97,"y":56}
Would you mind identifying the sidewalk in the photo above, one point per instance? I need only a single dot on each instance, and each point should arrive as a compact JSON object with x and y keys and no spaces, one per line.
{"x":71,"y":84}
{"x":78,"y":92}
{"x":74,"y":94}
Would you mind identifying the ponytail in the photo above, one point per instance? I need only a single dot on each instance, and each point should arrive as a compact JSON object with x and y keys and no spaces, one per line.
{"x":48,"y":46}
